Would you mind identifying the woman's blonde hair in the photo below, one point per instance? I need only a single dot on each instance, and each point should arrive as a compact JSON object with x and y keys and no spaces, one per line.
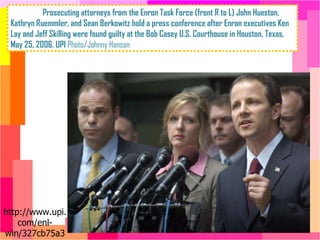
{"x":202,"y":112}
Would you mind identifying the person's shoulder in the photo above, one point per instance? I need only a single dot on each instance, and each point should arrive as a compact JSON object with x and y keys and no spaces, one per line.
{"x":300,"y":155}
{"x":230,"y":171}
{"x":216,"y":157}
{"x":298,"y":150}
{"x":295,"y":154}
{"x":300,"y":147}
{"x":75,"y":147}
{"x":136,"y":147}
{"x":148,"y":147}
{"x":74,"y":153}
{"x":212,"y":163}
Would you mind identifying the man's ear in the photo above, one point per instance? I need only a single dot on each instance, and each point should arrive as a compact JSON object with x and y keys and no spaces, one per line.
{"x":306,"y":121}
{"x":116,"y":112}
{"x":276,"y":111}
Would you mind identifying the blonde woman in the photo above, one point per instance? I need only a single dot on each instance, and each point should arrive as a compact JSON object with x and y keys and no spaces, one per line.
{"x":185,"y":123}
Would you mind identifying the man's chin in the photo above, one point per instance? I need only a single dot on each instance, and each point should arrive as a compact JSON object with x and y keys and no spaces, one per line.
{"x":92,"y":138}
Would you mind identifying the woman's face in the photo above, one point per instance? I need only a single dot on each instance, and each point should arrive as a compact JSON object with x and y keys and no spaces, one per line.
{"x":184,"y":127}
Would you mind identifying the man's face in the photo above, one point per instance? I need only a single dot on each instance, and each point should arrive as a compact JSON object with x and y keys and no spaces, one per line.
{"x":222,"y":129}
{"x":292,"y":121}
{"x":96,"y":117}
{"x":125,"y":129}
{"x":252,"y":114}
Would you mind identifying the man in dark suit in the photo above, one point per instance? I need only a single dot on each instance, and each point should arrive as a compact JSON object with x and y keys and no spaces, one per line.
{"x":268,"y":190}
{"x":295,"y":113}
{"x":98,"y":110}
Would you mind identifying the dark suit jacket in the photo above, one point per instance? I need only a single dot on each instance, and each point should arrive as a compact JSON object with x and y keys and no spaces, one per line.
{"x":74,"y":162}
{"x":289,"y":173}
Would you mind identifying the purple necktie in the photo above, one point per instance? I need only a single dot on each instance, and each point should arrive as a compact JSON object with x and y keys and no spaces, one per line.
{"x":255,"y":167}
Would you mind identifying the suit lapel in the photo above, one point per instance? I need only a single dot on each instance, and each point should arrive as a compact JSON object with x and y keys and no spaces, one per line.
{"x":253,"y":215}
{"x":275,"y":168}
{"x":239,"y":193}
{"x":74,"y":165}
{"x":191,"y":182}
{"x":277,"y":164}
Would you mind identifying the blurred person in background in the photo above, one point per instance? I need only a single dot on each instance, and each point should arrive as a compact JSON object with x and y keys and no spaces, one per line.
{"x":125,"y":128}
{"x":295,"y":113}
{"x":209,"y":95}
{"x":231,"y":144}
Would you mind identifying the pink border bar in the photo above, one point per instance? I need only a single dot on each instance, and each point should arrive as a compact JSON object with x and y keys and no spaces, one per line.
{"x":313,"y":39}
{"x":304,"y":6}
{"x":6,"y":200}
{"x":203,"y":2}
{"x":299,"y":58}
{"x":22,"y":191}
{"x":177,"y":236}
{"x":113,"y":2}
{"x":205,"y":236}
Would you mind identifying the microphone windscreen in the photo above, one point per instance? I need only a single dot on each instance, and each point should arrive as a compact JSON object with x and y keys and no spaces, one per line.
{"x":191,"y":153}
{"x":144,"y":159}
{"x":118,"y":161}
{"x":163,"y":157}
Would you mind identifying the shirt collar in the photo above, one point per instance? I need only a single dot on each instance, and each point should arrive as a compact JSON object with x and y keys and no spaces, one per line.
{"x":266,"y":152}
{"x":198,"y":168}
{"x":234,"y":157}
{"x":108,"y":151}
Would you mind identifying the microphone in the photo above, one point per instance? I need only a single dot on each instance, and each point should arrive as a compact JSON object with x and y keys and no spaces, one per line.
{"x":95,"y":185}
{"x":143,"y":160}
{"x":162,"y":159}
{"x":80,"y":197}
{"x":173,"y":190}
{"x":127,"y":165}
{"x":77,"y":200}
{"x":189,"y":156}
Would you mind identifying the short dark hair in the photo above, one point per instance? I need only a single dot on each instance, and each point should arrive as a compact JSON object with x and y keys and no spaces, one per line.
{"x":221,"y":100}
{"x":273,"y":93}
{"x":101,"y":85}
{"x":305,"y":97}
{"x":203,"y":90}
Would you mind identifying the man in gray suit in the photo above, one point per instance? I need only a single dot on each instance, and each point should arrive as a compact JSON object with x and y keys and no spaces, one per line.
{"x":269,"y":189}
{"x":98,"y":110}
{"x":231,"y":144}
